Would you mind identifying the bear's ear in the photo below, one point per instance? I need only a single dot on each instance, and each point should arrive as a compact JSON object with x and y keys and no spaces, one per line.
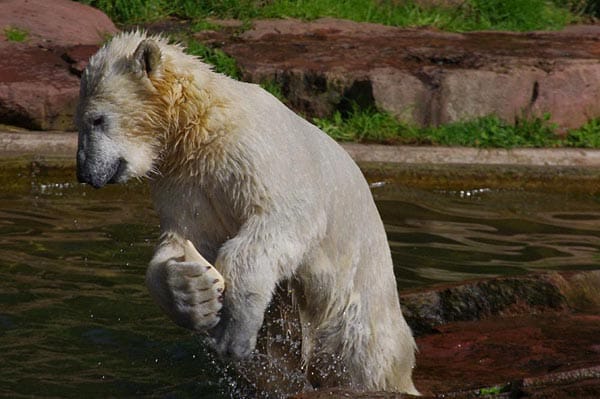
{"x":146,"y":58}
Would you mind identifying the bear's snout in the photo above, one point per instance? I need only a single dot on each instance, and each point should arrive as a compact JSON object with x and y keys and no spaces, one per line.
{"x":98,"y":174}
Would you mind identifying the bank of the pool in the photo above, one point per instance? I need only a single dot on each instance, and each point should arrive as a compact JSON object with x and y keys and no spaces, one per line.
{"x":571,"y":169}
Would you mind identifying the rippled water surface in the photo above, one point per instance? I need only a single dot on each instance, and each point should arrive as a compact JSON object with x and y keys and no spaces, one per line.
{"x":443,"y":236}
{"x":76,"y":320}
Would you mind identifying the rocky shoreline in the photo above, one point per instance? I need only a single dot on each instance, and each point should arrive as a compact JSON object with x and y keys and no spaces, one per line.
{"x":549,"y":169}
{"x":533,"y":335}
{"x":423,"y":77}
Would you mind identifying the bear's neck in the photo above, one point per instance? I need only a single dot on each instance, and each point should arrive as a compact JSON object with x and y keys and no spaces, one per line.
{"x":196,"y":130}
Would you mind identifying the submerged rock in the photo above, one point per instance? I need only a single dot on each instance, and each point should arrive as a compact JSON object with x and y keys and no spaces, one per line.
{"x":544,"y":352}
{"x":530,"y":336}
{"x":424,"y":311}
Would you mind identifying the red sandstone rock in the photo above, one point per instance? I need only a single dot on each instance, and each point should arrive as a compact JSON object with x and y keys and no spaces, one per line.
{"x":37,"y":90}
{"x":423,"y":77}
{"x":56,"y":23}
{"x":39,"y":82}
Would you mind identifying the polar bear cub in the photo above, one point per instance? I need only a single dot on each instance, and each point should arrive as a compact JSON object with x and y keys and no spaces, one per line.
{"x":257,"y":207}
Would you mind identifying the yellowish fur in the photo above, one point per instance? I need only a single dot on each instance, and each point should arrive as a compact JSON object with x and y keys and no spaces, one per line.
{"x":263,"y":195}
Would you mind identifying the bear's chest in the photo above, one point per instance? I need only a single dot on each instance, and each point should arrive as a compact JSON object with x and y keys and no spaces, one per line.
{"x":204,"y":217}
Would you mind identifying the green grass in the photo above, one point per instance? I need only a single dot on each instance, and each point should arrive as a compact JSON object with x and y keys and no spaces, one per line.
{"x":581,"y":7}
{"x":487,"y":132}
{"x":491,"y":391}
{"x":15,"y":34}
{"x":492,"y":132}
{"x":587,"y":136}
{"x":275,"y":89}
{"x":220,"y":61}
{"x":227,"y":65}
{"x":516,"y":15}
{"x":520,"y":15}
{"x":367,"y":126}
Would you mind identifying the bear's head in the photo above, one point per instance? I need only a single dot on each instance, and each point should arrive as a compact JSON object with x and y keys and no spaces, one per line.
{"x":146,"y":107}
{"x":117,"y":116}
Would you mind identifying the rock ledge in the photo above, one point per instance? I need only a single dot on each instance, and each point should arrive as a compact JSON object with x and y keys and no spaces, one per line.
{"x":421,"y":76}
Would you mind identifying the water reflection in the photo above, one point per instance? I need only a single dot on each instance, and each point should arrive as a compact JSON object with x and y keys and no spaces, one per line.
{"x":76,"y":320}
{"x":452,"y":236}
{"x":75,"y":317}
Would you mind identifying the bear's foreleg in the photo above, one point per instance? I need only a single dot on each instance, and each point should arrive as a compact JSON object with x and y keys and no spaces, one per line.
{"x":265,"y":251}
{"x":185,"y":285}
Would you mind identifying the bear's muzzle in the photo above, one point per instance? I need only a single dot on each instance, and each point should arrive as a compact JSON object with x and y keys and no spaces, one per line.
{"x":98,"y":173}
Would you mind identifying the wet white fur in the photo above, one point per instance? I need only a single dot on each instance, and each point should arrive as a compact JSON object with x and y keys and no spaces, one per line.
{"x":266,"y":197}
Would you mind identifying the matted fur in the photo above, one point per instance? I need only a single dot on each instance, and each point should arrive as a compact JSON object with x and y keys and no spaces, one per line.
{"x":266,"y":197}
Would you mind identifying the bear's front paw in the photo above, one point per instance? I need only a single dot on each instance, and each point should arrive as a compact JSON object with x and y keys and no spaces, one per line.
{"x":197,"y":289}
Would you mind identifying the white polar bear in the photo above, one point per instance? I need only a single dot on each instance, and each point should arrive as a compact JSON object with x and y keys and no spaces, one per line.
{"x":266,"y":197}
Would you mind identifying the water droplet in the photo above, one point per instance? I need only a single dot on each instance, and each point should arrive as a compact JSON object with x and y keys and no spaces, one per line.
{"x":377,"y":184}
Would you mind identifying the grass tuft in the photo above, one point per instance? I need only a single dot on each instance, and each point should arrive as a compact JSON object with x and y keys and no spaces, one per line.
{"x":587,"y":136}
{"x":15,"y":34}
{"x":491,"y":132}
{"x":220,"y":61}
{"x":487,"y":132}
{"x":275,"y":89}
{"x":367,"y":126}
{"x":512,"y":15}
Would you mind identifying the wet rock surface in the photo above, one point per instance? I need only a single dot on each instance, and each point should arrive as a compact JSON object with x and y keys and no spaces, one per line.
{"x":532,"y":336}
{"x":520,"y":354}
{"x":39,"y":77}
{"x":421,"y":76}
{"x":425,"y":311}
{"x":523,"y":336}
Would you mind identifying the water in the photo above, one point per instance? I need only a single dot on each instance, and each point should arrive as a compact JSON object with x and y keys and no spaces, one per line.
{"x":76,"y":320}
{"x":446,"y":236}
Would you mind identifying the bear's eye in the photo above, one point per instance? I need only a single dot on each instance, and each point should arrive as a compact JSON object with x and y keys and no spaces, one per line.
{"x":98,"y":121}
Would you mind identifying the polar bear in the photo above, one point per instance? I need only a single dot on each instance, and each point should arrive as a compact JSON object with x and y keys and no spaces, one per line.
{"x":257,"y":208}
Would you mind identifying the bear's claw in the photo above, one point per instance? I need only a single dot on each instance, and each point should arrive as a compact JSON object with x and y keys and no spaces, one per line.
{"x":197,"y":290}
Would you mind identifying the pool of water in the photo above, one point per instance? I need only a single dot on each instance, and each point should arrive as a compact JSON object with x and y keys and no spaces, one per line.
{"x":76,"y":320}
{"x":447,"y":236}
